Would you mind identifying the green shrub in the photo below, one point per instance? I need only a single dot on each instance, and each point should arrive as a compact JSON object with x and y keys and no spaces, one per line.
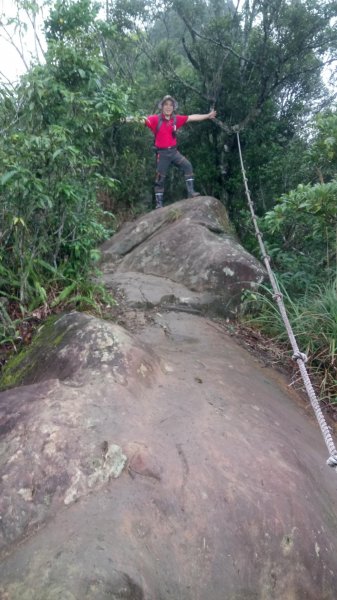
{"x":313,"y":318}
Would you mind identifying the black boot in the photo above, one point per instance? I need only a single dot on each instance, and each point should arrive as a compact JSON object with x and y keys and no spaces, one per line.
{"x":159,"y":199}
{"x":190,"y":189}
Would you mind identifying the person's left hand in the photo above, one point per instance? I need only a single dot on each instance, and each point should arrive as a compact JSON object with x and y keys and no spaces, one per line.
{"x":212,"y":114}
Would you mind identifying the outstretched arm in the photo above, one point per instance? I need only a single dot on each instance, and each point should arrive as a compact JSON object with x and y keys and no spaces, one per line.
{"x":210,"y":115}
{"x":137,"y":119}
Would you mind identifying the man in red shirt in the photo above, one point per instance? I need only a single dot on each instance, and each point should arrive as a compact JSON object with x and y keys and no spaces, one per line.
{"x":164,"y":126}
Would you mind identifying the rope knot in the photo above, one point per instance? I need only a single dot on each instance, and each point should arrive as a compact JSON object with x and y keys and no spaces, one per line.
{"x":300,"y":356}
{"x":332,"y":460}
{"x":278,"y":296}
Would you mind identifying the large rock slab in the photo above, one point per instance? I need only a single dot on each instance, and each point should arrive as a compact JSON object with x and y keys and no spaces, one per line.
{"x":74,"y":347}
{"x":52,"y":452}
{"x":162,"y":465}
{"x":139,"y":290}
{"x":190,"y":243}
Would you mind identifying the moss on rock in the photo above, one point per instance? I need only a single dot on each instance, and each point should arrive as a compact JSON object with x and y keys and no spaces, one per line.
{"x":23,"y":364}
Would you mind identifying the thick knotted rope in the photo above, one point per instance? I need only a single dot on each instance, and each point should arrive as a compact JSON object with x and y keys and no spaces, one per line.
{"x":300,"y":357}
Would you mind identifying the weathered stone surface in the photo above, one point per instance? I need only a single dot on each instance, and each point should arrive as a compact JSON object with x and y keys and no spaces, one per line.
{"x":51,"y":453}
{"x":189,"y":243}
{"x":147,"y":291}
{"x":205,"y":210}
{"x":74,"y":347}
{"x":186,"y":472}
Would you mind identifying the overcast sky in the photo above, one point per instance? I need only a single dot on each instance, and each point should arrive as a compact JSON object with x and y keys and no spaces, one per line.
{"x":11,"y":64}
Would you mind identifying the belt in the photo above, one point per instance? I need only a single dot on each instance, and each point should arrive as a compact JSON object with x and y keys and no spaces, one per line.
{"x":167,"y":148}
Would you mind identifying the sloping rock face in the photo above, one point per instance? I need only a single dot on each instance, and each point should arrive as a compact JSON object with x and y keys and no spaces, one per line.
{"x":160,"y":465}
{"x":53,"y":454}
{"x":71,"y":347}
{"x":191,"y":249}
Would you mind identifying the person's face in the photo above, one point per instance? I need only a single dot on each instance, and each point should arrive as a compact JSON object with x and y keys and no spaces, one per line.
{"x":168,"y":108}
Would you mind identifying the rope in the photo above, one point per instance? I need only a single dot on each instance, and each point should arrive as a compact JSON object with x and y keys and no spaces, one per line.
{"x":297,"y":355}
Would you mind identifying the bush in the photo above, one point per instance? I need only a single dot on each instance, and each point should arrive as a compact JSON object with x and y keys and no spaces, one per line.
{"x":313,"y":318}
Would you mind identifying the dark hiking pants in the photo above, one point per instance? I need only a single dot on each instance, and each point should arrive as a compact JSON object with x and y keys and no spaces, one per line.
{"x":165,"y":158}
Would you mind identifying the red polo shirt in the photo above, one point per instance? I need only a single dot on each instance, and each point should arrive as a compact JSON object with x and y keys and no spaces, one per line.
{"x":164,"y":137}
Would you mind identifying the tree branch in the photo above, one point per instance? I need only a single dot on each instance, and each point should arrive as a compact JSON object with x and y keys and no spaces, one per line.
{"x":252,"y":116}
{"x":163,"y":69}
{"x":9,"y":39}
{"x":189,"y":55}
{"x":37,"y":41}
{"x":223,"y":46}
{"x":8,"y":80}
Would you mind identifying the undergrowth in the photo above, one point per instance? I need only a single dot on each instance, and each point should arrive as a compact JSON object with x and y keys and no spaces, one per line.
{"x":313,"y":317}
{"x":18,"y":322}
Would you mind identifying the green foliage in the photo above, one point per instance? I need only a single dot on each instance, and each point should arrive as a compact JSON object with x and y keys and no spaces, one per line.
{"x":134,"y":163}
{"x":313,"y":317}
{"x":314,"y":205}
{"x":301,"y":229}
{"x":8,"y":326}
{"x":323,"y":152}
{"x":54,"y":165}
{"x":301,"y":237}
{"x":302,"y":234}
{"x":261,"y":66}
{"x":71,"y":20}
